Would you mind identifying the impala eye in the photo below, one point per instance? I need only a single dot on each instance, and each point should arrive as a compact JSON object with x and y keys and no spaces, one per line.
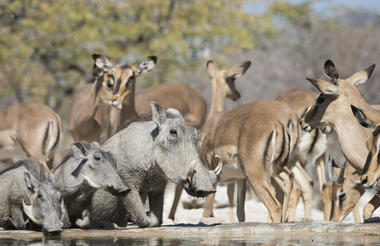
{"x":109,"y":84}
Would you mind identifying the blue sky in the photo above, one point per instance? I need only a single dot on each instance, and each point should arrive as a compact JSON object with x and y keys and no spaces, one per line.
{"x":323,"y":6}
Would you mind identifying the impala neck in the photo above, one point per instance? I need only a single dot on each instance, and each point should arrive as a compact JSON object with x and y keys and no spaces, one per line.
{"x":94,"y":98}
{"x":128,"y":110}
{"x":217,"y":103}
{"x":352,"y":140}
{"x":356,"y":99}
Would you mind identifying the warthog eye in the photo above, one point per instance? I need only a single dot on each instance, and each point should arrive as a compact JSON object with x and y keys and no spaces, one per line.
{"x":39,"y":195}
{"x":173,"y":133}
{"x":97,"y":156}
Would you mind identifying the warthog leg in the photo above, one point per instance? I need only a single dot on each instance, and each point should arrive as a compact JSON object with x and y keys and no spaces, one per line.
{"x":156,"y":204}
{"x":135,"y":207}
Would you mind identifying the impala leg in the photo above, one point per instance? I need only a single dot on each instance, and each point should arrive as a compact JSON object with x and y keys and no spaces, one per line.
{"x":295,"y":196}
{"x":230,"y":194}
{"x":208,"y":207}
{"x":266,"y":196}
{"x":241,"y":191}
{"x":177,"y":197}
{"x":325,"y":188}
{"x":371,"y":206}
{"x":306,"y":185}
{"x":356,"y":213}
{"x":288,"y":179}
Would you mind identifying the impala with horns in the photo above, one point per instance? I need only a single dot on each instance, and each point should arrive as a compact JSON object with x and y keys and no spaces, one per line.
{"x":34,"y":127}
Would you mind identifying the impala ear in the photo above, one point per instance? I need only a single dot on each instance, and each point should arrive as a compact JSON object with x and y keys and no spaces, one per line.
{"x":325,"y":87}
{"x":103,"y":63}
{"x":330,"y":70}
{"x":211,"y":68}
{"x":362,"y":118}
{"x":147,"y":64}
{"x":361,"y":76}
{"x":237,"y":71}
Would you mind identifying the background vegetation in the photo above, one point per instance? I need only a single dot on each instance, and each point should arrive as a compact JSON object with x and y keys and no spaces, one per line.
{"x":46,"y":46}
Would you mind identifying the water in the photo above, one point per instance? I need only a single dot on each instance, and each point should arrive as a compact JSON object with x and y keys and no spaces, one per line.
{"x":303,"y":233}
{"x":197,"y":241}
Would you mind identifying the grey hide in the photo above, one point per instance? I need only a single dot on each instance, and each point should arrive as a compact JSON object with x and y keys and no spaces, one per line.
{"x":26,"y":191}
{"x":149,"y":152}
{"x":84,"y":170}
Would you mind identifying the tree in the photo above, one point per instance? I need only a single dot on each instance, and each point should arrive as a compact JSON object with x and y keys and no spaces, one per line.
{"x":46,"y":46}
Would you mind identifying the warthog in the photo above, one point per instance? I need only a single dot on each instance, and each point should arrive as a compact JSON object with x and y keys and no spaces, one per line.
{"x":26,"y":189}
{"x":149,"y":152}
{"x":84,"y":170}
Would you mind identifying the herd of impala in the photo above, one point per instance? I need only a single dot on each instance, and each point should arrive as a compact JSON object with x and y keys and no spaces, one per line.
{"x":265,"y":143}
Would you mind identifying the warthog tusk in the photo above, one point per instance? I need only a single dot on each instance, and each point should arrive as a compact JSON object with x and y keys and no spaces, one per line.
{"x":190,"y":174}
{"x":29,"y":212}
{"x":219,"y":167}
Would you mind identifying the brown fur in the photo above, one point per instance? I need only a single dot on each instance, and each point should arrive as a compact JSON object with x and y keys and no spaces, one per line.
{"x":27,"y":124}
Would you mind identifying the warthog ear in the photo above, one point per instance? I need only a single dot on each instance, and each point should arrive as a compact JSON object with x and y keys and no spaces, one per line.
{"x":30,"y":181}
{"x":95,"y":144}
{"x":158,"y":113}
{"x":174,"y":112}
{"x":330,"y":70}
{"x":79,"y":150}
{"x":147,"y":64}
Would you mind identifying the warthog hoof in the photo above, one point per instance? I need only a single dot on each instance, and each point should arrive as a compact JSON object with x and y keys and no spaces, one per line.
{"x":7,"y":223}
{"x":83,"y":223}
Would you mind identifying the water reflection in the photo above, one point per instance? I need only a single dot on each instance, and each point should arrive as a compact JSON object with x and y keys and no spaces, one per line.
{"x":265,"y":240}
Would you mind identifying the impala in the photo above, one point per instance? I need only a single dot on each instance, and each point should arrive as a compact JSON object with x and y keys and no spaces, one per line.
{"x":92,"y":118}
{"x":333,"y":108}
{"x":253,"y":142}
{"x":111,"y":100}
{"x":33,"y":126}
{"x":310,"y":149}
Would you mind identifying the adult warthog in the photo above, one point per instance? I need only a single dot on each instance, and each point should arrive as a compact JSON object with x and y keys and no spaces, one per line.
{"x":26,"y":189}
{"x":85,"y":169}
{"x":150,"y":151}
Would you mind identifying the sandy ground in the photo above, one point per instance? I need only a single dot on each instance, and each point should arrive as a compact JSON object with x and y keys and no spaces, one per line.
{"x":255,"y":210}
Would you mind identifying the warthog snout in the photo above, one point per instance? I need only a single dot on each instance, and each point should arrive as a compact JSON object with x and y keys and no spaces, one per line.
{"x":53,"y":227}
{"x":52,"y":231}
{"x":118,"y":192}
{"x":200,"y":181}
